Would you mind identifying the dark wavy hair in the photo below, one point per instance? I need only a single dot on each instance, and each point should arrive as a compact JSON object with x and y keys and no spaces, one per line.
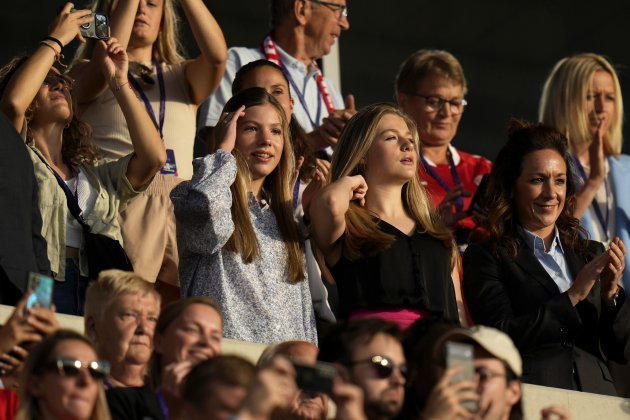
{"x":78,"y":146}
{"x":500,"y":207}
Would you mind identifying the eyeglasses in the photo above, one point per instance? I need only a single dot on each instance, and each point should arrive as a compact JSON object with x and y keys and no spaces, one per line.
{"x":53,"y":79}
{"x":334,"y":7}
{"x":486,"y":374}
{"x":435,"y":103}
{"x":382,"y":366}
{"x":98,"y":369}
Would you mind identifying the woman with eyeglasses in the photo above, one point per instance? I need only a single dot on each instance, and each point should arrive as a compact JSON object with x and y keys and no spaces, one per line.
{"x":62,"y":379}
{"x":38,"y":100}
{"x":534,"y":277}
{"x":389,"y":255}
{"x":430,"y":87}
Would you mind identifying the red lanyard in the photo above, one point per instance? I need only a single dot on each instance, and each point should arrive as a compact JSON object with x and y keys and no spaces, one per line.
{"x":271,"y":53}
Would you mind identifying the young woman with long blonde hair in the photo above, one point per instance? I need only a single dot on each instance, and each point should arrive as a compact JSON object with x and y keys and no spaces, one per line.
{"x":388,"y":253}
{"x":238,"y":241}
{"x":170,"y":88}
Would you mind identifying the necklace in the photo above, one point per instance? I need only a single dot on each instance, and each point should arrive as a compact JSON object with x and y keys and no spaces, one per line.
{"x":142,"y":72}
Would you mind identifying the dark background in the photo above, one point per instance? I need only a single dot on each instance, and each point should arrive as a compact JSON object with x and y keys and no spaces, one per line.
{"x":506,"y":48}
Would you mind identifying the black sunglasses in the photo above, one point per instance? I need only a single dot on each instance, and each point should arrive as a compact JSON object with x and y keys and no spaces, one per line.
{"x":98,"y":369}
{"x":382,"y":366}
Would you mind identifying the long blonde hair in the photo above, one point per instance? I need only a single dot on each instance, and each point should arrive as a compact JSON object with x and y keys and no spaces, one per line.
{"x":363,"y":237}
{"x":166,"y":48}
{"x":563,"y":101}
{"x":277,"y":186}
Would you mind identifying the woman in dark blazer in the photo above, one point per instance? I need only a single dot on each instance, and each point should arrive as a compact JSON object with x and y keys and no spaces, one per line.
{"x":556,"y":295}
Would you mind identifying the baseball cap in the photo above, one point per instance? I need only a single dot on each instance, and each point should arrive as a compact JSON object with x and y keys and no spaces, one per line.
{"x":495,"y":342}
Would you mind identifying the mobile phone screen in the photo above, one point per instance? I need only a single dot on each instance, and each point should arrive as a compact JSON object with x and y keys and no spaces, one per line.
{"x":42,"y":291}
{"x":462,"y":354}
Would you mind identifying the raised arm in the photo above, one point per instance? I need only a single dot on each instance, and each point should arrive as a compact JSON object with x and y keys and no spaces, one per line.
{"x":149,"y":154}
{"x":328,"y":213}
{"x":27,"y":80}
{"x":89,"y":80}
{"x":596,"y":176}
{"x":204,"y":72}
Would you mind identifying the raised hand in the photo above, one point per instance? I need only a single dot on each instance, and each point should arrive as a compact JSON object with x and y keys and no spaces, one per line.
{"x":597,"y":157}
{"x":445,"y":208}
{"x":446,"y":397}
{"x":328,"y":132}
{"x":317,"y":182}
{"x":66,"y":25}
{"x":357,"y":188}
{"x":614,"y":269}
{"x":225,"y":131}
{"x":115,"y":61}
{"x":586,"y":278}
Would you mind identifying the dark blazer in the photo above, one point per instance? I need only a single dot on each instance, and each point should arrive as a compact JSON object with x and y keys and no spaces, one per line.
{"x":23,"y":248}
{"x":520,"y":298}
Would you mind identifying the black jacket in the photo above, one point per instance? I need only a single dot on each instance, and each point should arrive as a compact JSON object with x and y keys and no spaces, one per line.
{"x":519,"y":297}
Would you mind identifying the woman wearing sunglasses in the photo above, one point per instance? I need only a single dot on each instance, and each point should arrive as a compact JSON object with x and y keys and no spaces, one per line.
{"x":62,"y":379}
{"x":37,"y":99}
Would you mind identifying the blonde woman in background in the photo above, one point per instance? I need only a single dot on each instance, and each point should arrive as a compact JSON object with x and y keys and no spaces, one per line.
{"x":582,"y":99}
{"x":375,"y":224}
{"x":171,"y":88}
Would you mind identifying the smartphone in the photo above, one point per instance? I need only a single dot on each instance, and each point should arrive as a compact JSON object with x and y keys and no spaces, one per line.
{"x":480,"y":195}
{"x":42,"y":287}
{"x":462,"y":355}
{"x":97,"y":29}
{"x":316,"y":379}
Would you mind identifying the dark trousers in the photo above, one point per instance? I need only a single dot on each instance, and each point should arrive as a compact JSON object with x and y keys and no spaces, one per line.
{"x":69,"y":295}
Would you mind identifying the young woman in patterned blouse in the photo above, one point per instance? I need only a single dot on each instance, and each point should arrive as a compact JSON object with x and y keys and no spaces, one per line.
{"x":238,"y":241}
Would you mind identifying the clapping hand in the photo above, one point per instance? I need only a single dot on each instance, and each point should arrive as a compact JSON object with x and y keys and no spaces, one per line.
{"x":614,"y":269}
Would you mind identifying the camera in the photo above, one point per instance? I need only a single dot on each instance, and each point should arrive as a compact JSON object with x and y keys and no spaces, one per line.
{"x":97,"y":29}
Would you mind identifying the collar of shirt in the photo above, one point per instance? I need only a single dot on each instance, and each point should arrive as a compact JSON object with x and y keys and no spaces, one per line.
{"x":535,"y":242}
{"x":293,"y":63}
{"x":454,"y":155}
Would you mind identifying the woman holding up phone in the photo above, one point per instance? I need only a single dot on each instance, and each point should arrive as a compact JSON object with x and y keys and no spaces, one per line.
{"x":170,"y":88}
{"x":37,"y":98}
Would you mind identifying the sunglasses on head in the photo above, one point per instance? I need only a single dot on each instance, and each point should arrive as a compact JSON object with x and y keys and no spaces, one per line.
{"x":98,"y":369}
{"x":383,"y":366}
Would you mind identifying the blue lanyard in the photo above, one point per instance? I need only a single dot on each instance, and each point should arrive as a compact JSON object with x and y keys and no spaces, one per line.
{"x":162,"y":402}
{"x":600,"y":217}
{"x":147,"y":103}
{"x":459,"y":201}
{"x":296,"y":193}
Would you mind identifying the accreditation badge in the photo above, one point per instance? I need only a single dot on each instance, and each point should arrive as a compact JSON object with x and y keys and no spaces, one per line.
{"x":170,"y":167}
